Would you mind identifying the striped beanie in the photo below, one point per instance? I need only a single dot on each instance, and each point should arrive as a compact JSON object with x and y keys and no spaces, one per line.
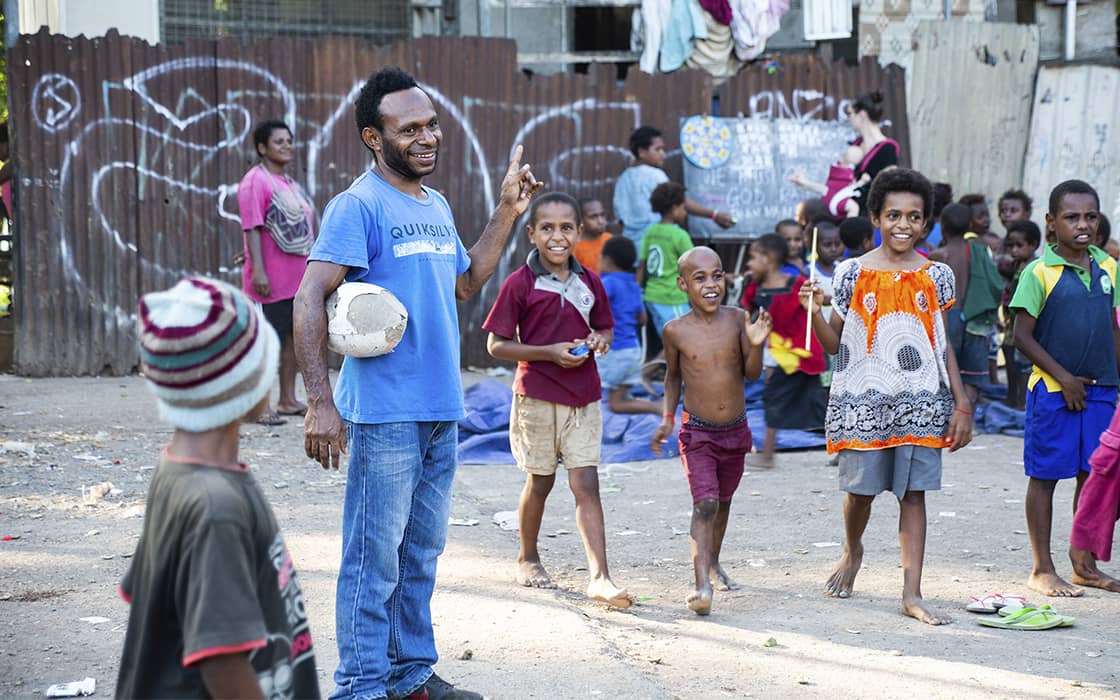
{"x":207,"y":352}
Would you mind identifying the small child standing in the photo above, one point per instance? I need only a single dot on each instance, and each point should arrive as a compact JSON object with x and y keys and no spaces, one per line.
{"x":980,"y":220}
{"x":793,"y":397}
{"x":712,"y":349}
{"x":216,"y":608}
{"x":1065,"y":324}
{"x":590,"y":244}
{"x":794,"y":236}
{"x":887,"y":331}
{"x":662,"y":244}
{"x":829,"y":249}
{"x":978,"y":291}
{"x":1021,"y":242}
{"x":621,"y":369}
{"x":551,"y":317}
{"x":858,"y":236}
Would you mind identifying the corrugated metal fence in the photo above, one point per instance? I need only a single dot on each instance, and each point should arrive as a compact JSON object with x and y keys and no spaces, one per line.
{"x":128,"y":155}
{"x":970,"y":103}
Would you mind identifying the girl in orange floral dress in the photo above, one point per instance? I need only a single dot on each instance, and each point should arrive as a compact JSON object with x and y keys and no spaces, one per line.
{"x":896,"y":398}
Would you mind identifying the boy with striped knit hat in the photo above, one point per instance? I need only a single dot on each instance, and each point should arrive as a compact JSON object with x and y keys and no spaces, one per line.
{"x":216,"y":607}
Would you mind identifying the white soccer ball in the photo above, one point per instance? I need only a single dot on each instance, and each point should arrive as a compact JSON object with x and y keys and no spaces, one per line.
{"x":364,"y":320}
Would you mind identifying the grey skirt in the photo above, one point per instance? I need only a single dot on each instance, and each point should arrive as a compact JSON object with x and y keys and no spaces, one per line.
{"x":895,"y":469}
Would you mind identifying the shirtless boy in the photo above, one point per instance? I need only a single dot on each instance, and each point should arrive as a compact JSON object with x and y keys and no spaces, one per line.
{"x":712,"y":348}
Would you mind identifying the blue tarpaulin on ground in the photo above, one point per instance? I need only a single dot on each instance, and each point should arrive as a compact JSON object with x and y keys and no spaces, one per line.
{"x":484,"y":433}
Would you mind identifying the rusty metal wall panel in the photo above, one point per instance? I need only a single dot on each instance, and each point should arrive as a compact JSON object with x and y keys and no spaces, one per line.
{"x":128,"y":157}
{"x":1074,"y":134}
{"x":801,"y":86}
{"x":974,"y":139}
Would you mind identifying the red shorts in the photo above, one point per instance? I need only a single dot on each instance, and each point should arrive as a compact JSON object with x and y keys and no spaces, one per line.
{"x":713,"y":458}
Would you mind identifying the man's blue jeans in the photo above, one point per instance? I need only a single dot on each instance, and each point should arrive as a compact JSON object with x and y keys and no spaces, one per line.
{"x":394,"y":525}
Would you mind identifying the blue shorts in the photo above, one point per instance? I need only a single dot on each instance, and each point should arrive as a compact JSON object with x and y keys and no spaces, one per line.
{"x":1057,"y":442}
{"x":660,"y":314}
{"x":620,"y":368}
{"x":971,"y":350}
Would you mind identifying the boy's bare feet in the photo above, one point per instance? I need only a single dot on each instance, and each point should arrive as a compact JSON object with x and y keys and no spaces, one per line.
{"x":1086,"y":573}
{"x":604,"y":591}
{"x":533,"y":575}
{"x":720,"y":580}
{"x":916,"y":608}
{"x":700,"y":601}
{"x":760,"y":460}
{"x":1050,"y":584}
{"x":842,"y":580}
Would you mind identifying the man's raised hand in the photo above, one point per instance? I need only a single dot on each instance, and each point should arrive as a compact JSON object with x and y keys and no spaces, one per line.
{"x":519,"y":185}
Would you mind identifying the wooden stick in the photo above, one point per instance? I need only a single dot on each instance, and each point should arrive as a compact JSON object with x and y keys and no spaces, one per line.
{"x":812,"y":277}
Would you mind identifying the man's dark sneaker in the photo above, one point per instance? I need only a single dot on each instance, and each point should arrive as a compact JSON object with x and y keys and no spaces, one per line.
{"x":435,"y":688}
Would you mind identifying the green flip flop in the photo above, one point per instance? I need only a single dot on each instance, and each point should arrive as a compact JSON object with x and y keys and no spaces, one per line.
{"x":1026,"y":619}
{"x":1067,"y":620}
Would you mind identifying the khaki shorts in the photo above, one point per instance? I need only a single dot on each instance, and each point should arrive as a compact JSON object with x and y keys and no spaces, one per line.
{"x":542,"y":434}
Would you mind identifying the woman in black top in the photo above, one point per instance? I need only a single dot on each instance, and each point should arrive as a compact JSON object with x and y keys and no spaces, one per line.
{"x":879,"y":152}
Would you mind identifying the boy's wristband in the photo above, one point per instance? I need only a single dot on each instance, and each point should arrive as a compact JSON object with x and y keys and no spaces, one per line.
{"x":670,"y":415}
{"x":961,"y":410}
{"x":715,"y":214}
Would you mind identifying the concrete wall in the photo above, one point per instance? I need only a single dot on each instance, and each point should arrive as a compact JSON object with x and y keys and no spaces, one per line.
{"x":138,"y":18}
{"x":535,"y":29}
{"x":1096,"y":31}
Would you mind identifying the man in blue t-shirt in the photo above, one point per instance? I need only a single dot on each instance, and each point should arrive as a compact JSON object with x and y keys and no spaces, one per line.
{"x":400,"y":410}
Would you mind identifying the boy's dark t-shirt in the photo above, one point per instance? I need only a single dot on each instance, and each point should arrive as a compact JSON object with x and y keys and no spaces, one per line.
{"x":211,"y":576}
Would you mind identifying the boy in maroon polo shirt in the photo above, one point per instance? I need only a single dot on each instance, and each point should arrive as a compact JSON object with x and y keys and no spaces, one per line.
{"x":551,"y":316}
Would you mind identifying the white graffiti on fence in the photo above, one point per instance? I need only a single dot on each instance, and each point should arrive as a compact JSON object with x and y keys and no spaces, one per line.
{"x":55,"y":101}
{"x":164,"y":113}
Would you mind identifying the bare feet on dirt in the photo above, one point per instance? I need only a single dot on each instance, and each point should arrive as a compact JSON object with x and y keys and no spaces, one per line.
{"x":700,"y":601}
{"x":757,"y":460}
{"x":603,"y":590}
{"x":916,"y":608}
{"x":720,"y":580}
{"x":842,"y":580}
{"x":1086,"y":573}
{"x":532,"y":575}
{"x":1050,"y":584}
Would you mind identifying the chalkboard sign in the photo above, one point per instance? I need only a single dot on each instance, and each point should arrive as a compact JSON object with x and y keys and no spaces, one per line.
{"x":753,"y":184}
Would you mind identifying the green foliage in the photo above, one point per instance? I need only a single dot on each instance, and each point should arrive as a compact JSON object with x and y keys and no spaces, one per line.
{"x":3,"y":70}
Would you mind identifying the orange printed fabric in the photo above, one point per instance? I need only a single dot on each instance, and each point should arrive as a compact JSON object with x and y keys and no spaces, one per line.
{"x":890,"y":382}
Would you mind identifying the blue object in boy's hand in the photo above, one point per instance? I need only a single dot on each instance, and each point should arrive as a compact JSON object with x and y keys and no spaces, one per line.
{"x":579,"y":350}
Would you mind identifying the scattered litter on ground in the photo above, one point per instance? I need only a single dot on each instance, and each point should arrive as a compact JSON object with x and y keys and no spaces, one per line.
{"x":463,"y":522}
{"x":770,"y":642}
{"x":466,"y":655}
{"x":822,"y":545}
{"x":628,"y":533}
{"x":757,"y":563}
{"x":86,"y":686}
{"x":506,"y":519}
{"x":96,"y":492}
{"x":133,"y":512}
{"x":22,"y":448}
{"x":1094,"y":654}
{"x":94,"y":620}
{"x":944,"y":513}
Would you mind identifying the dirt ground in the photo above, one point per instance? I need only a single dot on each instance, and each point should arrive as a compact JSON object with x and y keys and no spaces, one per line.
{"x":777,"y":636}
